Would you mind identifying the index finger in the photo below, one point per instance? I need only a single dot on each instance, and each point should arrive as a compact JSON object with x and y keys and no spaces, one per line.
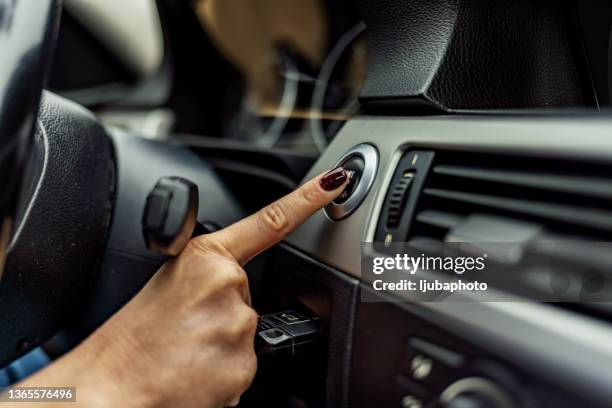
{"x":258,"y":232}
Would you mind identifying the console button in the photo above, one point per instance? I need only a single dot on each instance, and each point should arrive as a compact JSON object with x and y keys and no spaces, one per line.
{"x":361,"y":162}
{"x":420,"y":367}
{"x":430,"y":364}
{"x":354,"y":167}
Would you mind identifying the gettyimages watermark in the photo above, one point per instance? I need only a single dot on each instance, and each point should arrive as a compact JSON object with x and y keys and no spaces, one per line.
{"x":546,"y":271}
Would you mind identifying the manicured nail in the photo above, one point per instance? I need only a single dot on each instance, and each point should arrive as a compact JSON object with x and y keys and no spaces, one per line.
{"x":333,"y":179}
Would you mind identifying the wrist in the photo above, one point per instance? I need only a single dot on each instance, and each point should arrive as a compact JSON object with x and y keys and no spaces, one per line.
{"x":99,"y":371}
{"x":107,"y":380}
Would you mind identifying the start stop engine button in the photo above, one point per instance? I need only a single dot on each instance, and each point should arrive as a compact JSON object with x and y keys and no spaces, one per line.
{"x":354,"y":168}
{"x":361,"y":164}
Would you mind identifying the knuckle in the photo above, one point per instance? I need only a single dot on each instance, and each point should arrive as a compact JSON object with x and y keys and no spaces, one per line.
{"x":228,"y":269}
{"x":310,"y":194}
{"x":239,"y":276}
{"x":230,"y":278}
{"x":274,"y":218}
{"x":244,"y":326}
{"x":248,"y":322}
{"x":206,"y":244}
{"x":252,"y":320}
{"x":201,"y":244}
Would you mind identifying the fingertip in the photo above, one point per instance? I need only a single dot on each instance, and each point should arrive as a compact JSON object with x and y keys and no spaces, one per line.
{"x":333,"y":179}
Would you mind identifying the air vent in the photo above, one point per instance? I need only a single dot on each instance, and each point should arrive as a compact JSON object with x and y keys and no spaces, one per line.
{"x":565,"y":197}
{"x":401,"y":198}
{"x":469,"y":197}
{"x":398,"y":198}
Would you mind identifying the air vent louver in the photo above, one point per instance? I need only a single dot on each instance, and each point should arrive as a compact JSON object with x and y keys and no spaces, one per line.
{"x":397,"y":199}
{"x":401,"y":197}
{"x":568,"y":198}
{"x":477,"y":197}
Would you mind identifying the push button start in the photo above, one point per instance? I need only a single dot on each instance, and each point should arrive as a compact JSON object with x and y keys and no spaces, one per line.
{"x":354,"y":168}
{"x":361,"y":164}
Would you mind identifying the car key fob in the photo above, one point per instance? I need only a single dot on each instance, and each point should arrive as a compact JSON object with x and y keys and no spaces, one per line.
{"x":287,"y":332}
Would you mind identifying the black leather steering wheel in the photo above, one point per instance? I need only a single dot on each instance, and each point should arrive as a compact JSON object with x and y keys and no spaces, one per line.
{"x":76,"y":252}
{"x":61,"y":210}
{"x":27,"y":35}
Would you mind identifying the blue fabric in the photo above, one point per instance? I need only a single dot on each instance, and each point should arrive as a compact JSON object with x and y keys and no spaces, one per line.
{"x":5,"y":380}
{"x":24,"y":367}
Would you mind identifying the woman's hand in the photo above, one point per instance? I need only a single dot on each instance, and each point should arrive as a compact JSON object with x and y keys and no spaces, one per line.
{"x":186,"y":339}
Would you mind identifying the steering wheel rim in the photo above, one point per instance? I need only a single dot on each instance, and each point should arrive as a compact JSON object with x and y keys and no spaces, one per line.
{"x":28,"y":32}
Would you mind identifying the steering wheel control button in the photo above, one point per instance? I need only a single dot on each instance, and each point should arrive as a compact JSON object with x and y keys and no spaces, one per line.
{"x":170,"y":214}
{"x":361,"y":165}
{"x":287,"y":332}
{"x":354,"y":170}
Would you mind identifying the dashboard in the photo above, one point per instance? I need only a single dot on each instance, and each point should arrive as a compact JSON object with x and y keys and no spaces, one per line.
{"x":489,"y":124}
{"x":500,"y":340}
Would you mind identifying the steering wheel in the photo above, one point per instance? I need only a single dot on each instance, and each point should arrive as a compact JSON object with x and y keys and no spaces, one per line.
{"x":27,"y":33}
{"x":49,"y":178}
{"x":76,"y":252}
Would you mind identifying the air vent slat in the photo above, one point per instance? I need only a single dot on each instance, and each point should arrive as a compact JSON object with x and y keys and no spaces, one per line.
{"x":592,"y":187}
{"x":592,"y":218}
{"x":396,"y":201}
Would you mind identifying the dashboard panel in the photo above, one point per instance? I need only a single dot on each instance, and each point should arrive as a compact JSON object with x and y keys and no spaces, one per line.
{"x":517,"y":332}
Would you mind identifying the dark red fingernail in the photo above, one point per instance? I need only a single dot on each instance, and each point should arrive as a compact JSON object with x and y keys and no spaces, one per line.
{"x":333,"y":179}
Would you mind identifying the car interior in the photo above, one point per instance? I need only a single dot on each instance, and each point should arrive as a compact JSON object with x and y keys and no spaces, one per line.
{"x":459,"y":120}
